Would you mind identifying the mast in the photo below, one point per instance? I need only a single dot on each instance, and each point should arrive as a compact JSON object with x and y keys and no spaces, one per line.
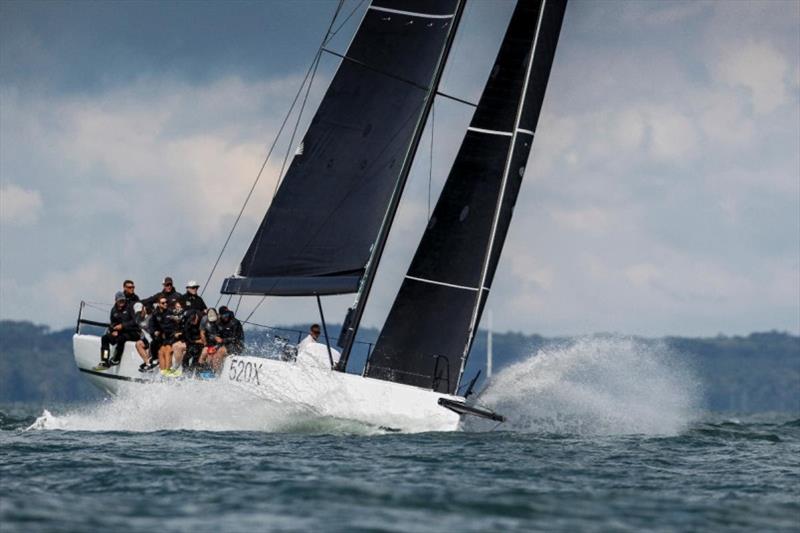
{"x":354,"y":314}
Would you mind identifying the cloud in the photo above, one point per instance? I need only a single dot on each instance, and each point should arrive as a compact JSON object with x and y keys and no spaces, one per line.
{"x":151,"y":175}
{"x":18,"y":206}
{"x":759,"y":68}
{"x":661,"y":196}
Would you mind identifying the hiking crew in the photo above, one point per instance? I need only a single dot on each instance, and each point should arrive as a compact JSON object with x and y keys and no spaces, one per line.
{"x":209,"y":332}
{"x":127,"y":289}
{"x":192,"y":300}
{"x":168,"y":291}
{"x":165,"y":328}
{"x":122,"y":328}
{"x":230,"y":335}
{"x":145,"y":346}
{"x":187,"y":350}
{"x":180,"y":331}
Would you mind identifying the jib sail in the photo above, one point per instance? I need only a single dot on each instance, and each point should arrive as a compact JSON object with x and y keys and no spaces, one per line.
{"x":318,"y":233}
{"x":429,"y":330}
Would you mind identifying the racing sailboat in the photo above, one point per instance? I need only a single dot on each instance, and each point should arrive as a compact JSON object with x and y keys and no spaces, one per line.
{"x":327,"y":226}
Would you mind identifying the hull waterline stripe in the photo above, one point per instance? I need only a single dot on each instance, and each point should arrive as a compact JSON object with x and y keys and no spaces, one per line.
{"x":491,"y":132}
{"x":410,"y":13}
{"x":113,"y":376}
{"x":520,"y":130}
{"x":423,"y":280}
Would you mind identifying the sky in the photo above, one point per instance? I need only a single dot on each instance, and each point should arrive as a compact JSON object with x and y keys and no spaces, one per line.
{"x":662,"y":196}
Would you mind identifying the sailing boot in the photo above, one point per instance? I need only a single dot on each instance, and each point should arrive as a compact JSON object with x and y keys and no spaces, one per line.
{"x":103,"y":361}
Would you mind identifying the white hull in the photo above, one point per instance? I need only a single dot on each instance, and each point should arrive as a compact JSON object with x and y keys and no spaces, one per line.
{"x":310,"y":387}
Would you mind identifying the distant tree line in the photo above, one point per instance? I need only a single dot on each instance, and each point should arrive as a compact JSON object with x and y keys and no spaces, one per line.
{"x":754,"y":373}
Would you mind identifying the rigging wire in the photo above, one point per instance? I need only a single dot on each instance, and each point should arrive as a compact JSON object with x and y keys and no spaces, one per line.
{"x":311,"y":68}
{"x":352,"y":12}
{"x":297,"y":124}
{"x":430,"y":159}
{"x":313,"y":71}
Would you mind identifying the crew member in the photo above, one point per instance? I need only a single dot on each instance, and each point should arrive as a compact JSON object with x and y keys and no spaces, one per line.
{"x":122,"y":328}
{"x":187,"y":350}
{"x":231,"y":333}
{"x":127,"y":288}
{"x":145,"y":345}
{"x":209,"y":332}
{"x":167,"y":291}
{"x":312,"y":337}
{"x":165,"y":328}
{"x":192,"y":300}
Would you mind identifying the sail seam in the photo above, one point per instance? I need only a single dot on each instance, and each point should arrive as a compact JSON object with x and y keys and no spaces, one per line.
{"x":411,"y":13}
{"x":453,"y":285}
{"x":491,"y":132}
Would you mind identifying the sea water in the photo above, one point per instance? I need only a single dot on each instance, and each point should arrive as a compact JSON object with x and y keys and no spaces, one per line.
{"x":603,"y":434}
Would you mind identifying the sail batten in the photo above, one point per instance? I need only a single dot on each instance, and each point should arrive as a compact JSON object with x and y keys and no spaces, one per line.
{"x":429,"y":330}
{"x":318,"y":233}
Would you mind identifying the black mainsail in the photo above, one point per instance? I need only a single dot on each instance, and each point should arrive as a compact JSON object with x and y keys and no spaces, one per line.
{"x":430,"y":328}
{"x":319,"y":232}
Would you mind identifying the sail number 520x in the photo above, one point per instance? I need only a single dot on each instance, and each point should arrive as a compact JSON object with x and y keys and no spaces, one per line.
{"x":244,"y":371}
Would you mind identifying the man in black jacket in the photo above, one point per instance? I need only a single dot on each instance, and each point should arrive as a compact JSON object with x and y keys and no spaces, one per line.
{"x":191,"y":300}
{"x":230,"y":331}
{"x":168,"y":291}
{"x":186,"y":351}
{"x":165,"y":330}
{"x":122,"y":328}
{"x":127,"y":289}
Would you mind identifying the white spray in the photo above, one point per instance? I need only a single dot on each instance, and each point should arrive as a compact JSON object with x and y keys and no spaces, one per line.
{"x":597,"y":386}
{"x":194,"y":405}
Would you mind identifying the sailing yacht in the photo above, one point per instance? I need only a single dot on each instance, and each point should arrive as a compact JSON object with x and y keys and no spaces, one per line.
{"x":353,"y":167}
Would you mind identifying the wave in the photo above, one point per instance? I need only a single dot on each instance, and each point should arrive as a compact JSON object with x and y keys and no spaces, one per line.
{"x":597,"y":386}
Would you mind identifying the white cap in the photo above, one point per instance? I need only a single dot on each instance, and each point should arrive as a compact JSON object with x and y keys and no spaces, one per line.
{"x":192,"y":283}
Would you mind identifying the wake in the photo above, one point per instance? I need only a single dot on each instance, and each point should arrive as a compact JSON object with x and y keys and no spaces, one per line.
{"x":597,"y":386}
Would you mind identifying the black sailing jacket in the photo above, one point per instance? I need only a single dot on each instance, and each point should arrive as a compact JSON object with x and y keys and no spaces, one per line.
{"x":164,"y":323}
{"x":232,"y":333}
{"x":172,"y":297}
{"x":193,"y":301}
{"x":125,"y":317}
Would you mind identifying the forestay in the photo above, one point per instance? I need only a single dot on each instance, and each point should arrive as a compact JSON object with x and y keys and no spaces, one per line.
{"x":430,"y":327}
{"x":317,"y":235}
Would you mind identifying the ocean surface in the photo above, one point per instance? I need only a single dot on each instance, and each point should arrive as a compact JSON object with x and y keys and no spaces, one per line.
{"x":600,"y":437}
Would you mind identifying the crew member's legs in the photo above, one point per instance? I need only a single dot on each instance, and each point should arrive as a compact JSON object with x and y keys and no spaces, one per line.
{"x":143,"y":349}
{"x":105,"y":342}
{"x":192,"y":356}
{"x":218,"y":358}
{"x":121,"y":339}
{"x":165,"y":356}
{"x":178,"y":349}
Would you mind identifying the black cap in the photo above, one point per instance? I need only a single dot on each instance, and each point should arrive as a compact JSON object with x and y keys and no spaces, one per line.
{"x":167,"y":280}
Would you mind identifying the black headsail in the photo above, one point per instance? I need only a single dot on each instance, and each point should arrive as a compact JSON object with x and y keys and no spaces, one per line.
{"x":430,"y":328}
{"x":319,"y":231}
